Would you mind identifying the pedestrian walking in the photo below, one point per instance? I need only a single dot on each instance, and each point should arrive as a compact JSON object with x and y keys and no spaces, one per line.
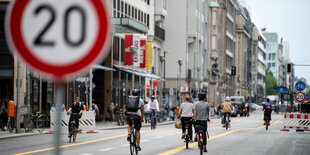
{"x":112,"y":109}
{"x":4,"y":116}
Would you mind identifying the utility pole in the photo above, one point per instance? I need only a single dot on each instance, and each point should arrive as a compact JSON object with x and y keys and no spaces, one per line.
{"x":18,"y":85}
{"x":91,"y":89}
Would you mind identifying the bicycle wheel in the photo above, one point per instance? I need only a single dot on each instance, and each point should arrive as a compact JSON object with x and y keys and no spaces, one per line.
{"x":267,"y":123}
{"x":132,"y":143}
{"x":74,"y":135}
{"x":28,"y":125}
{"x":40,"y":125}
{"x":200,"y":147}
{"x":186,"y":140}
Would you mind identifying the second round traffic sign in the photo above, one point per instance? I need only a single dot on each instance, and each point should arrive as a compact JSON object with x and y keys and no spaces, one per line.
{"x":300,"y":96}
{"x":57,"y":38}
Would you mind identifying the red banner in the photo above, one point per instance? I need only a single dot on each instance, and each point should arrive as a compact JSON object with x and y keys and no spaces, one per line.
{"x":128,"y":43}
{"x":142,"y":53}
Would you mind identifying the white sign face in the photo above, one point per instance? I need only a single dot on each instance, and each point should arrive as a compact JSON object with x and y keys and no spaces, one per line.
{"x":59,"y":28}
{"x":300,"y":97}
{"x":58,"y":37}
{"x":136,"y":58}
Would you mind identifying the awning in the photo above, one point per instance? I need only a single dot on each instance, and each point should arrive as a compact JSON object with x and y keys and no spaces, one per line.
{"x":142,"y":74}
{"x":103,"y":68}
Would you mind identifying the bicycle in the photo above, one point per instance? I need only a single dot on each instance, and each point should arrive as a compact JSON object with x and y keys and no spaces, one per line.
{"x":72,"y":128}
{"x":34,"y":122}
{"x":133,"y":140}
{"x":227,"y":124}
{"x":11,"y":124}
{"x":153,"y":120}
{"x":121,"y":118}
{"x":267,"y":122}
{"x":187,"y":138}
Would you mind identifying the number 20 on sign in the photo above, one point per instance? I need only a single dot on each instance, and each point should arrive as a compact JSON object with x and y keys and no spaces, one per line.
{"x":59,"y":38}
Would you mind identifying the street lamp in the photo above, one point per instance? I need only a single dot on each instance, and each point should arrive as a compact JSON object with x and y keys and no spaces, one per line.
{"x":162,"y":59}
{"x":180,"y":61}
{"x":133,"y":50}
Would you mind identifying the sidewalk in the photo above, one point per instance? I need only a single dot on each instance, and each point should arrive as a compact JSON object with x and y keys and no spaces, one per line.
{"x":102,"y":125}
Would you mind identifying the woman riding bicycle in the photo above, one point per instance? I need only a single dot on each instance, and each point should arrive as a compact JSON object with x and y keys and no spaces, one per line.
{"x":202,"y":118}
{"x":187,"y":112}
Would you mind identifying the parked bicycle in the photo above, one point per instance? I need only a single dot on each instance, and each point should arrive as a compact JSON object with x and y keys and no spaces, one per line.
{"x":121,"y":118}
{"x":133,"y":139}
{"x":34,"y":122}
{"x":11,"y":124}
{"x":73,"y":129}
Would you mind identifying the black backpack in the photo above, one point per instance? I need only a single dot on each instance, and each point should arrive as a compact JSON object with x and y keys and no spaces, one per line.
{"x":132,"y":104}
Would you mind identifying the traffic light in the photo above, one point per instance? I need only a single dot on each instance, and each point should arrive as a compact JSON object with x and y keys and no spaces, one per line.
{"x":289,"y":67}
{"x":214,"y":69}
{"x":233,"y":70}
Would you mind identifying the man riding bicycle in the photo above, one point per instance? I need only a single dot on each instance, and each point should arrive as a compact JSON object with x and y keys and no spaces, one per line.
{"x":227,"y":109}
{"x":153,"y":107}
{"x":202,"y":117}
{"x":267,"y":108}
{"x":77,"y":108}
{"x":137,"y":117}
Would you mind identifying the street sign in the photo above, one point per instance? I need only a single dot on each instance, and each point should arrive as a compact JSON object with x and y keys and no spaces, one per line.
{"x":300,"y":86}
{"x":281,"y":90}
{"x":307,"y":97}
{"x":286,"y":97}
{"x":59,"y":39}
{"x":300,"y":96}
{"x":171,"y":92}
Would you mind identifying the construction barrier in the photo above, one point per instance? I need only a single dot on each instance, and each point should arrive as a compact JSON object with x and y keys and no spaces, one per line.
{"x":87,"y":122}
{"x":296,"y":121}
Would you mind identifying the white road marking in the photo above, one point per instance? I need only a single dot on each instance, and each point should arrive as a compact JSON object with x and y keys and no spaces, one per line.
{"x":86,"y":154}
{"x":107,"y":149}
{"x":157,"y":137}
{"x":125,"y":145}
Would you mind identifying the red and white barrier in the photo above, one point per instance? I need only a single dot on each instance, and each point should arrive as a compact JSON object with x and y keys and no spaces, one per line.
{"x":296,"y":121}
{"x":87,"y":122}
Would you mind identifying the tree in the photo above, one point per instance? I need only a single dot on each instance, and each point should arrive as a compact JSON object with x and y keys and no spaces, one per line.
{"x":271,"y":83}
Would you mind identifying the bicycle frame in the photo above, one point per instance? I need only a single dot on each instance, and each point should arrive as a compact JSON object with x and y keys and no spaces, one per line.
{"x":133,"y":138}
{"x":72,"y":132}
{"x":153,"y":119}
{"x":200,"y":141}
{"x":186,"y":133}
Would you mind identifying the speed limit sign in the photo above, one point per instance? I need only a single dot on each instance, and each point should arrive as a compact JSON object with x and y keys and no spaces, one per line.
{"x":58,"y":38}
{"x":300,"y":96}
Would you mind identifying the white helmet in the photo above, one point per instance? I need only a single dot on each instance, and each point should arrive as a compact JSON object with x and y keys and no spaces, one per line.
{"x":227,"y":99}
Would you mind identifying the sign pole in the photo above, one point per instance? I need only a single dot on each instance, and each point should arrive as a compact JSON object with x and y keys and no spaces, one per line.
{"x":18,"y":85}
{"x":60,"y":91}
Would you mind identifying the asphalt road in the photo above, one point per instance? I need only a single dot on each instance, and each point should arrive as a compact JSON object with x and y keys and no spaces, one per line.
{"x":246,"y":136}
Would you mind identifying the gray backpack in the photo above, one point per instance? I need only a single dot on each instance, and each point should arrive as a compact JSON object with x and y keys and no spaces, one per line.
{"x":132,"y":104}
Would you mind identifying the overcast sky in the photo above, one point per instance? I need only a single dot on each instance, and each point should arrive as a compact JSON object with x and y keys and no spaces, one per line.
{"x":290,"y":19}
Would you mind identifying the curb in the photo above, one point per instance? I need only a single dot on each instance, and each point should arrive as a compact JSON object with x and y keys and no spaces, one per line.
{"x":14,"y":135}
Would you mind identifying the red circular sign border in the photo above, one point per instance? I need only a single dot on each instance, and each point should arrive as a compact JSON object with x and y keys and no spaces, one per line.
{"x":301,"y":93}
{"x":96,"y":52}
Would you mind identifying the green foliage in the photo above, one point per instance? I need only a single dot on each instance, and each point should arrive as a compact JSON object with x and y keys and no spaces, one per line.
{"x":271,"y":83}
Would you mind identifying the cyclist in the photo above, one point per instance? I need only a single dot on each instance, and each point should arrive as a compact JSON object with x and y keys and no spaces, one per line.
{"x":153,"y":107}
{"x":138,"y":118}
{"x":202,"y":117}
{"x":186,"y":113}
{"x":266,"y":110}
{"x":227,"y":109}
{"x":78,"y":108}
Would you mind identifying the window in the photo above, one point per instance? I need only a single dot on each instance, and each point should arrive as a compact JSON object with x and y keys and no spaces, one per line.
{"x":129,"y":8}
{"x":269,"y":65}
{"x":118,"y":8}
{"x":133,"y":12}
{"x":273,"y":56}
{"x":144,"y":18}
{"x":125,"y":9}
{"x":229,"y":44}
{"x":165,"y":4}
{"x":123,"y":50}
{"x":122,"y":9}
{"x":114,"y":8}
{"x":136,"y":14}
{"x":148,"y":20}
{"x":116,"y":48}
